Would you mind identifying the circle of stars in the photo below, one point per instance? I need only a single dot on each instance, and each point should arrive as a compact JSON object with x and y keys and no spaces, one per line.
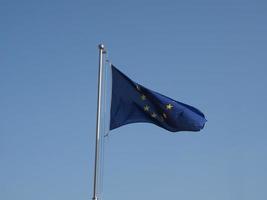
{"x":147,"y":108}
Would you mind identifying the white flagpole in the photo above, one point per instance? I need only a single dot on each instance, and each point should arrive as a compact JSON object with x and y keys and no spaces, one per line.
{"x":98,"y":124}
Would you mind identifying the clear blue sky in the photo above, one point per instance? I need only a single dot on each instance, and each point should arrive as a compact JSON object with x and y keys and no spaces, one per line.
{"x":207,"y":53}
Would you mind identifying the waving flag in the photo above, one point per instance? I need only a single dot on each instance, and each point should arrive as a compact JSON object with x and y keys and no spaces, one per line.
{"x":132,"y":103}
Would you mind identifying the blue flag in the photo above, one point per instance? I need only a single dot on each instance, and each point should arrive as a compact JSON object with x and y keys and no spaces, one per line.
{"x":132,"y":103}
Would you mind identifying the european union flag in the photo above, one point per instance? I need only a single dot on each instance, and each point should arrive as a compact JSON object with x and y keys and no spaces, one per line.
{"x":132,"y":103}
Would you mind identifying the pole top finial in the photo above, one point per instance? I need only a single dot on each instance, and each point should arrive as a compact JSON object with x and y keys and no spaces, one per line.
{"x":101,"y":46}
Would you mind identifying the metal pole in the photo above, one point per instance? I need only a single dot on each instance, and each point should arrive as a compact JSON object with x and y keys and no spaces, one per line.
{"x":98,"y":118}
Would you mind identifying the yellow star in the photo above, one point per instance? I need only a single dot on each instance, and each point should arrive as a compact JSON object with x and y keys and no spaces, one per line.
{"x":143,"y":97}
{"x":164,"y":115}
{"x":161,"y":119}
{"x":154,"y":115}
{"x":169,"y":106}
{"x":146,"y":108}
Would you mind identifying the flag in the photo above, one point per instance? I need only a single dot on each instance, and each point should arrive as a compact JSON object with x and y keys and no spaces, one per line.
{"x":132,"y":103}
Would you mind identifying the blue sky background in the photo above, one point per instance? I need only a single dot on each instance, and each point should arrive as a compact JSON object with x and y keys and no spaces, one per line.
{"x":207,"y":53}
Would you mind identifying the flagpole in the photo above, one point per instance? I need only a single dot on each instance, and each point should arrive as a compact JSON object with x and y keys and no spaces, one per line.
{"x":98,"y":118}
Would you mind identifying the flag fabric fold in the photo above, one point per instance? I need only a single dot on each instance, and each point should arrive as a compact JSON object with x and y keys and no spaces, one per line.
{"x":133,"y":103}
